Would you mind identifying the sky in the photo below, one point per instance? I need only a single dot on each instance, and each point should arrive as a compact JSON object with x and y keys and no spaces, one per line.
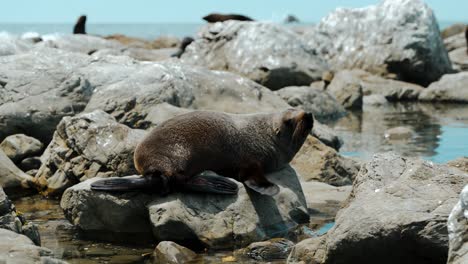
{"x":191,"y":11}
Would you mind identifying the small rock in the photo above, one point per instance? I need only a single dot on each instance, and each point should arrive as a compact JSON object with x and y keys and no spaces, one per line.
{"x":453,"y":30}
{"x":458,"y":230}
{"x":460,"y":163}
{"x":399,"y":133}
{"x":11,"y":176}
{"x":20,"y":146}
{"x":273,"y":249}
{"x":31,"y":163}
{"x":349,"y":94}
{"x":374,"y":100}
{"x":310,"y":251}
{"x":450,"y":88}
{"x":455,"y":42}
{"x":168,"y":252}
{"x":459,"y":59}
{"x":31,"y":230}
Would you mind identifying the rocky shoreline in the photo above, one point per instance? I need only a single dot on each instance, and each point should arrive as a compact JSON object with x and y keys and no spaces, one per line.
{"x":73,"y":108}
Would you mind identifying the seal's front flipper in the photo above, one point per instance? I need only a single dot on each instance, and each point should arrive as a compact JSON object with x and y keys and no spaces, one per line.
{"x":210,"y":184}
{"x":121,"y":184}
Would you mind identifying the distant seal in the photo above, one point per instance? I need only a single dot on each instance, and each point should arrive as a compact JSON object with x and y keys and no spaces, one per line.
{"x":244,"y":147}
{"x":216,"y":17}
{"x":185,"y":42}
{"x":80,"y":26}
{"x":466,"y":37}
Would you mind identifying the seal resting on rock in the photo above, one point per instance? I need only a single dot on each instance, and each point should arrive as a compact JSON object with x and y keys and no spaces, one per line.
{"x":80,"y":26}
{"x":241,"y":146}
{"x":216,"y":17}
{"x":466,"y":37}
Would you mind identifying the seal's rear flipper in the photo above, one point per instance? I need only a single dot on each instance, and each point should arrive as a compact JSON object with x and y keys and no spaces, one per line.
{"x":121,"y":184}
{"x":270,"y":190}
{"x":210,"y":184}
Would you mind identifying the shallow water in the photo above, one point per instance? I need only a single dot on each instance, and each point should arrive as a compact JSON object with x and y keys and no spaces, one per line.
{"x":440,"y":132}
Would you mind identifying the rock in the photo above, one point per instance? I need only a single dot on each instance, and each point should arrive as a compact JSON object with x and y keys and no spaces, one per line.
{"x":11,"y":176}
{"x":273,"y":249}
{"x":138,"y":53}
{"x":323,"y":198}
{"x":269,"y":54}
{"x":459,"y":59}
{"x":214,"y":221}
{"x":458,"y":230}
{"x":453,"y":30}
{"x":318,"y":162}
{"x":450,"y":88}
{"x":399,"y":133}
{"x":19,"y":146}
{"x":86,"y":146}
{"x":327,"y":135}
{"x":374,"y":100}
{"x":80,"y":43}
{"x":345,"y":84}
{"x":130,"y":41}
{"x":396,"y":213}
{"x":16,"y":248}
{"x":347,"y":92}
{"x":406,"y":43}
{"x":319,"y":102}
{"x":31,"y":163}
{"x":10,"y":44}
{"x":8,"y":218}
{"x":460,"y":163}
{"x":291,"y":19}
{"x":165,"y":42}
{"x":32,"y":232}
{"x":308,"y":251}
{"x":455,"y":42}
{"x":171,"y":253}
{"x":38,"y":88}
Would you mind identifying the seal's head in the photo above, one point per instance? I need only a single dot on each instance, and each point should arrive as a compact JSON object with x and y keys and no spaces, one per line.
{"x":293,"y":128}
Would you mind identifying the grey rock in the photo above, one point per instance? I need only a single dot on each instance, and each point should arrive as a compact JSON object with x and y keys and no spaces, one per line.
{"x":80,"y":43}
{"x":168,"y":252}
{"x":318,"y":162}
{"x":450,"y":88}
{"x":215,"y":221}
{"x":269,"y":54}
{"x":10,"y":44}
{"x":325,"y":199}
{"x":458,"y":230}
{"x":308,"y":251}
{"x":273,"y":249}
{"x":348,"y":92}
{"x":399,"y":133}
{"x":455,"y":42}
{"x":460,"y":163}
{"x":317,"y":101}
{"x":406,"y":43}
{"x":20,"y":146}
{"x":374,"y":100}
{"x":459,"y":59}
{"x":396,"y":213}
{"x":453,"y":30}
{"x":141,"y":54}
{"x":85,"y":146}
{"x":10,"y":175}
{"x":8,"y":217}
{"x":32,"y":232}
{"x":327,"y":135}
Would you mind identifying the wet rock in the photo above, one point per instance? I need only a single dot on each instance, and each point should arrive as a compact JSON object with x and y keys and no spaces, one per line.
{"x":347,"y":81}
{"x":32,"y":232}
{"x":450,"y":88}
{"x":317,"y":101}
{"x":214,"y":221}
{"x":458,"y":230}
{"x":273,"y":249}
{"x":10,"y":175}
{"x":19,"y":146}
{"x":86,"y":146}
{"x":399,"y":133}
{"x":396,"y":213}
{"x":308,"y":251}
{"x":459,"y":59}
{"x":323,"y":198}
{"x":38,"y":89}
{"x":318,"y":162}
{"x":460,"y":163}
{"x":453,"y":30}
{"x":172,"y":253}
{"x":269,"y":54}
{"x":406,"y":43}
{"x":16,"y":248}
{"x":31,"y":163}
{"x":455,"y":42}
{"x":80,"y":43}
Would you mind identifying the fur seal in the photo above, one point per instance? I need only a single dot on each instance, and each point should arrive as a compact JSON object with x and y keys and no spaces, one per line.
{"x":466,"y":37}
{"x":80,"y":26}
{"x":241,"y":146}
{"x":185,"y":42}
{"x":216,"y":17}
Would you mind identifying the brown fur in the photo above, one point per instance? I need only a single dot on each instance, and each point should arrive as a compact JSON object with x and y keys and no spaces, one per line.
{"x":466,"y":37}
{"x":244,"y":147}
{"x":215,"y":17}
{"x":80,"y":26}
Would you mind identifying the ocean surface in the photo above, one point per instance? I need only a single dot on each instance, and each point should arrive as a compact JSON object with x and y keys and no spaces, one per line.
{"x":146,"y":31}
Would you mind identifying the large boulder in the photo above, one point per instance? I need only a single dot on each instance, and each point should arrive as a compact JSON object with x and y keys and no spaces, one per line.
{"x":213,"y":221}
{"x":397,"y":213}
{"x":272,"y":55}
{"x":319,"y":102}
{"x":81,"y":43}
{"x":458,"y":230}
{"x":450,"y":88}
{"x":394,"y":37}
{"x":85,"y":146}
{"x":455,"y":42}
{"x":19,"y":146}
{"x":317,"y":162}
{"x":11,"y":176}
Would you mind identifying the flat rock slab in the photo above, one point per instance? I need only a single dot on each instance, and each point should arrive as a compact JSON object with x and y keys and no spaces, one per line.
{"x":213,"y":221}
